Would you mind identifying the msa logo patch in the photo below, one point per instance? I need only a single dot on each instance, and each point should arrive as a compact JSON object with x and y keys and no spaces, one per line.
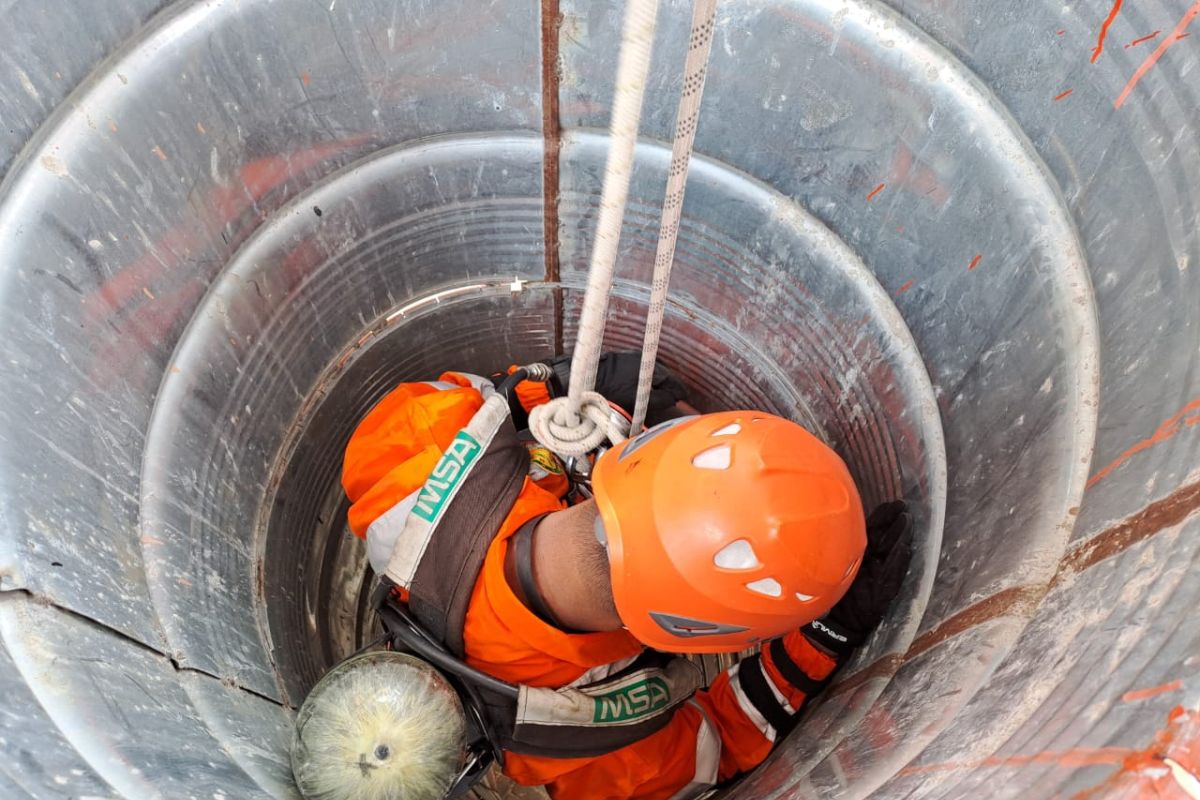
{"x":635,"y":700}
{"x":450,"y":469}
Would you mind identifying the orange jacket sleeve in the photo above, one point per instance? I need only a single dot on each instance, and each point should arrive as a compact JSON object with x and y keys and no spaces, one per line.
{"x":753,"y":703}
{"x":398,"y":443}
{"x":530,"y":393}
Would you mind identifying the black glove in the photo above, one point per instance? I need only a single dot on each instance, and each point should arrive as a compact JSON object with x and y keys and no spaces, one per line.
{"x":617,"y":379}
{"x":884,"y":565}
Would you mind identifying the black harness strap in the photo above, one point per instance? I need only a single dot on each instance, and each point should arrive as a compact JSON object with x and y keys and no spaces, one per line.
{"x":522,"y":542}
{"x":791,"y":671}
{"x":754,"y":683}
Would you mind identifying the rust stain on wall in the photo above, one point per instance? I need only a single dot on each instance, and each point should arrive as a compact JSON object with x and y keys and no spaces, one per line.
{"x":1159,"y":515}
{"x":1153,"y":58}
{"x":1140,"y":773}
{"x":551,"y":138}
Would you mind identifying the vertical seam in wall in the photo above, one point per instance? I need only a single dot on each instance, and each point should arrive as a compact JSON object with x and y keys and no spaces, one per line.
{"x":551,"y":22}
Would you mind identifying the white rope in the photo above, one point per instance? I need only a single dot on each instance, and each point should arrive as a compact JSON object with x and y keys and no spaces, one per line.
{"x":686,"y":119}
{"x":558,"y":420}
{"x":568,"y":439}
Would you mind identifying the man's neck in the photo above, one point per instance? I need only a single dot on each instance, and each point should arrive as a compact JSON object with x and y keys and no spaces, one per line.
{"x":578,"y":597}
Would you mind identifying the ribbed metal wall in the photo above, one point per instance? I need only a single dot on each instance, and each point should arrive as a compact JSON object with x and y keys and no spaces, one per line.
{"x":960,"y":240}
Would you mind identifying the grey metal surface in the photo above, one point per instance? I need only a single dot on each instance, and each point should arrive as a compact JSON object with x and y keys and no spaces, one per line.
{"x":37,"y":71}
{"x":36,"y":760}
{"x":135,"y":719}
{"x":258,"y":347}
{"x":225,"y":232}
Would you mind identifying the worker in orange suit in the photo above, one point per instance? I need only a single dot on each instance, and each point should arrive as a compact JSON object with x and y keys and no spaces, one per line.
{"x":725,"y":532}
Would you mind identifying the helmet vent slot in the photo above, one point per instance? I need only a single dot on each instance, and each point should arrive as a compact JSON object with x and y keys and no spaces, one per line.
{"x":718,"y":457}
{"x":737,"y":555}
{"x":731,"y":429}
{"x":768,"y":586}
{"x":804,"y":598}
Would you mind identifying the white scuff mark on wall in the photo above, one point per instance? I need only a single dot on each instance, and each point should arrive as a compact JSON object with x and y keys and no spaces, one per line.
{"x":434,"y":299}
{"x":214,"y":167}
{"x":27,"y":85}
{"x":1186,"y":780}
{"x":55,"y":166}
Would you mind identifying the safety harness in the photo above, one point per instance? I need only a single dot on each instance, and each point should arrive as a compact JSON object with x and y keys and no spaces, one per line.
{"x":439,"y":550}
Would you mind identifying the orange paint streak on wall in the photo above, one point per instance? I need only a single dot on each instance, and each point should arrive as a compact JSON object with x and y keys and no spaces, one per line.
{"x":1141,"y":39}
{"x":1152,"y":59}
{"x":1144,"y":773}
{"x":905,"y":287}
{"x":1153,"y":691}
{"x":1112,"y":15}
{"x":1061,"y":96}
{"x":1188,"y":415}
{"x":875,"y":191}
{"x":974,"y":262}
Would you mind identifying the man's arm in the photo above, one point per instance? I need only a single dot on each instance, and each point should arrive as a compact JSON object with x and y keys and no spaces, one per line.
{"x":769,"y":689}
{"x":720,"y":733}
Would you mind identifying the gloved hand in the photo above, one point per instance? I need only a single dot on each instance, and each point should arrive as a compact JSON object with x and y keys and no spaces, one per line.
{"x":884,"y":565}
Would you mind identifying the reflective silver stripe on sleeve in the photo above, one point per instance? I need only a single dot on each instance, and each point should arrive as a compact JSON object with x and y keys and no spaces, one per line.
{"x":478,"y":383}
{"x":779,"y":696}
{"x":383,"y":532}
{"x":747,"y":707}
{"x":708,"y":758}
{"x":482,"y":384}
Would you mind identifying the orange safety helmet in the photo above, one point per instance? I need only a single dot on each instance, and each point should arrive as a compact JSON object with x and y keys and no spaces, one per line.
{"x":726,"y":530}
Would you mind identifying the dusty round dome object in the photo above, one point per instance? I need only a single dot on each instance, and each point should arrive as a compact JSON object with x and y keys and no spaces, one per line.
{"x":379,"y":726}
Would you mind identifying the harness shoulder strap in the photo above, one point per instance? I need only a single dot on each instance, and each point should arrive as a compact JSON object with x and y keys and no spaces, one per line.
{"x":446,"y":536}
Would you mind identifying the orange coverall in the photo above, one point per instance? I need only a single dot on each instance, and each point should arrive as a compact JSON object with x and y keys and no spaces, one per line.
{"x":390,"y":455}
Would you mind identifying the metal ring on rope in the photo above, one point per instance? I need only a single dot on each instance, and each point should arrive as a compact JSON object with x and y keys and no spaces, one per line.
{"x":558,"y":428}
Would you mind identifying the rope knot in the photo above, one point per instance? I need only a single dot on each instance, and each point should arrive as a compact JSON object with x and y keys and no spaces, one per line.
{"x":569,"y":433}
